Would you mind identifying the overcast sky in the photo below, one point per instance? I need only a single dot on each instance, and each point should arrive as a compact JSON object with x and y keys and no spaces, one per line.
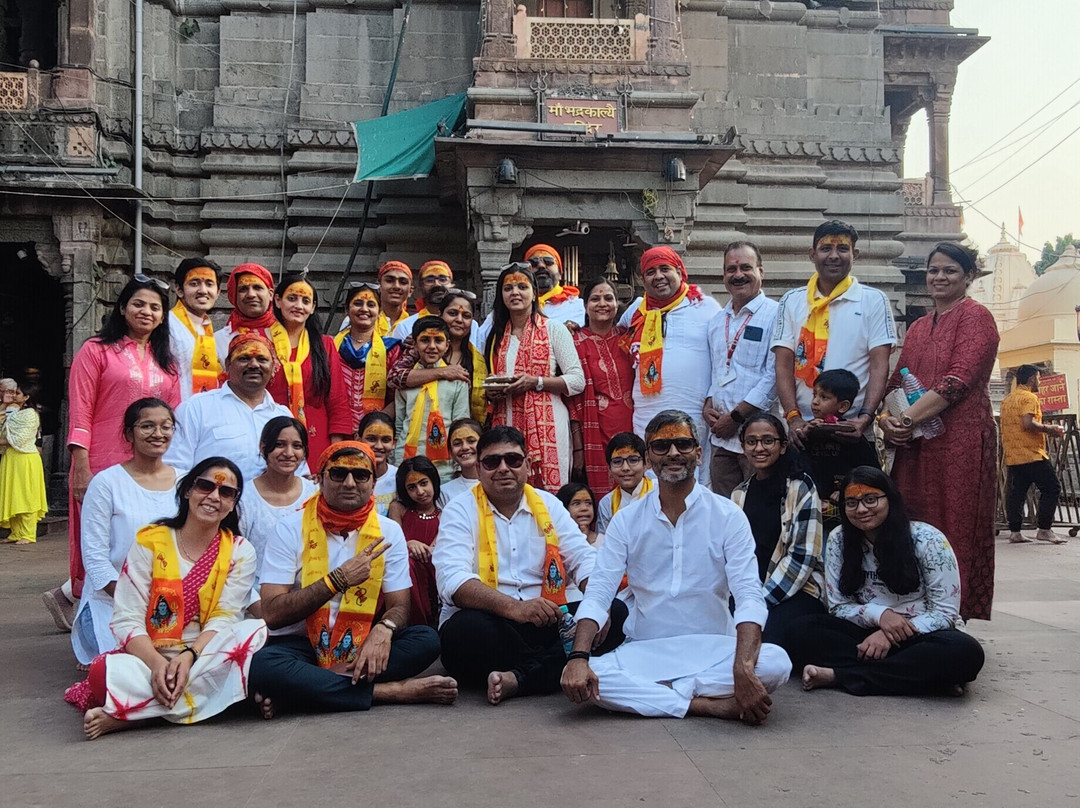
{"x":1030,"y":58}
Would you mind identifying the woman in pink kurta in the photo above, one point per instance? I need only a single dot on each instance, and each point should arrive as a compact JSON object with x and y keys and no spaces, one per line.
{"x":130,"y":359}
{"x":950,"y":481}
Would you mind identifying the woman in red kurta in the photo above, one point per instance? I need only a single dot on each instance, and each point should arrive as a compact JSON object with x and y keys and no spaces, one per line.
{"x":310,"y":381}
{"x":950,"y":481}
{"x":605,"y":408}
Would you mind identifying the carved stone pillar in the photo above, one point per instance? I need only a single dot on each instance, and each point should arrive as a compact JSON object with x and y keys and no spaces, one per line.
{"x":938,"y":119}
{"x":494,"y":231}
{"x":665,"y":42}
{"x":498,"y":29}
{"x":79,"y":233}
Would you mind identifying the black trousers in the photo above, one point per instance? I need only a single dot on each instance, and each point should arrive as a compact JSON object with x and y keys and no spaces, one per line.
{"x":925,"y":664}
{"x":476,"y":642}
{"x":1021,"y":477}
{"x":786,"y":614}
{"x":285,"y":671}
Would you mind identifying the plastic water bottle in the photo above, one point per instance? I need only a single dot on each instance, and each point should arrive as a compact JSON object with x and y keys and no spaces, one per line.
{"x":567,"y":629}
{"x":914,"y":390}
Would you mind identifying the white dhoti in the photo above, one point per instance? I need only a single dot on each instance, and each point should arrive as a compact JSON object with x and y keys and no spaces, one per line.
{"x":635,"y":677}
{"x":217,"y":679}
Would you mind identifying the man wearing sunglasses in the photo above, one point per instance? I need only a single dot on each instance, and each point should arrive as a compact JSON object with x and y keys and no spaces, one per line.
{"x":684,"y":551}
{"x":503,"y":558}
{"x":229,"y":420}
{"x":558,"y":302}
{"x":335,"y":593}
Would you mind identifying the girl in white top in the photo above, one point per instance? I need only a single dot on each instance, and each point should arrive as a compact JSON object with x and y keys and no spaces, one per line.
{"x":464,"y":434}
{"x":377,"y":430}
{"x":277,"y":491}
{"x":119,"y":500}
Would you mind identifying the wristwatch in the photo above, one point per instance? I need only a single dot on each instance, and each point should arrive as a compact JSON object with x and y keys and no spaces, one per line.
{"x":539,"y":384}
{"x":737,"y":416}
{"x":390,"y":624}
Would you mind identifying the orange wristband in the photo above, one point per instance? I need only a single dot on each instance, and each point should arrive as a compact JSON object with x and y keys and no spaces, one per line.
{"x":791,"y":414}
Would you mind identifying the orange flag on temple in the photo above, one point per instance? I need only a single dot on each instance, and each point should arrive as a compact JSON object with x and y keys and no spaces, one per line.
{"x":1019,"y":221}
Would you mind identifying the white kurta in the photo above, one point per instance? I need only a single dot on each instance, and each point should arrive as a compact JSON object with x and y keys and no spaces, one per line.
{"x":564,"y":358}
{"x":687,"y":372}
{"x":455,"y":487}
{"x":259,"y":519}
{"x":679,"y":630}
{"x":219,"y":676}
{"x":182,"y":343}
{"x":113,"y":510}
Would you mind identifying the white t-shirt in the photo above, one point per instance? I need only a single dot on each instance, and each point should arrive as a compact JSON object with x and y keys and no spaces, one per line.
{"x":386,"y":489}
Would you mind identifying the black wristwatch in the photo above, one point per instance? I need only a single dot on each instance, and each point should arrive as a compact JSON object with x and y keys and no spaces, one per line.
{"x":578,"y":655}
{"x":737,"y":416}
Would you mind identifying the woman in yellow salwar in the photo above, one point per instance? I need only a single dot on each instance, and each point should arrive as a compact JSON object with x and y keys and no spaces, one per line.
{"x":178,"y":616}
{"x":22,"y":477}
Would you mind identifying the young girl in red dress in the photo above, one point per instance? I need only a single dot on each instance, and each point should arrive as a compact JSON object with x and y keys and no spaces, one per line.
{"x":416,"y":511}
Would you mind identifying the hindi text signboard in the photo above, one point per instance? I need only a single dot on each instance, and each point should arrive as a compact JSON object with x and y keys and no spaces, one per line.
{"x":1053,"y":393}
{"x":598,"y":115}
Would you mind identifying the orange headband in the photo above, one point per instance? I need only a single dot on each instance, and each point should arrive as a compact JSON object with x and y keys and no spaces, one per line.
{"x":544,"y":249}
{"x":299,"y":288}
{"x":436,"y":268}
{"x":203,"y":273}
{"x":656,"y":256}
{"x":858,"y":489}
{"x":516,"y":277}
{"x":349,"y":461}
{"x":395,"y":266}
{"x":250,"y":343}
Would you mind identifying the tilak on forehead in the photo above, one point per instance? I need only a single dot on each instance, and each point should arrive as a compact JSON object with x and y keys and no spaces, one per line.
{"x":219,"y":477}
{"x":668,"y":431}
{"x":299,"y":288}
{"x":202,"y":273}
{"x":250,"y":343}
{"x":625,"y":451}
{"x":415,"y":478}
{"x":516,"y":277}
{"x":379,"y":430}
{"x":836,"y":240}
{"x":581,"y":497}
{"x":365,"y":294}
{"x":432,"y":333}
{"x":464,"y":428}
{"x":858,"y":489}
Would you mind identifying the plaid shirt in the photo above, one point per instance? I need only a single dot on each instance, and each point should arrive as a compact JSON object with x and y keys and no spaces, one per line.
{"x":796,"y":564}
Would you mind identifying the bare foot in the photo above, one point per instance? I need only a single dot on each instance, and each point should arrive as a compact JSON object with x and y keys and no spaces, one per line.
{"x":97,"y":723}
{"x":1050,"y":537}
{"x":502,"y":685}
{"x":426,"y":690}
{"x":956,"y":690}
{"x":710,"y":707}
{"x":814,"y":677}
{"x":265,"y":705}
{"x":1018,"y":538}
{"x":24,"y":542}
{"x":81,"y":668}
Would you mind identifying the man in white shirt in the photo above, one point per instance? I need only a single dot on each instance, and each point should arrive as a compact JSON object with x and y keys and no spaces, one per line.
{"x":743,"y":372}
{"x":503,"y":557}
{"x":229,"y":421}
{"x":832,"y":322}
{"x":191,"y":332}
{"x":560,"y":303}
{"x":683,"y":550}
{"x":673,"y":319}
{"x":323,"y":577}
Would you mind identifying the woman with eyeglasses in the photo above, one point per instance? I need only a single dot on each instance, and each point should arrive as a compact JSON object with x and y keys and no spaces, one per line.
{"x":366,"y":356}
{"x":894,"y":626}
{"x":120,"y":500}
{"x":605,"y":407}
{"x":131,"y":358}
{"x":463,"y":363}
{"x":534,"y":365}
{"x":782,"y":506}
{"x":310,"y":381}
{"x":185,"y":647}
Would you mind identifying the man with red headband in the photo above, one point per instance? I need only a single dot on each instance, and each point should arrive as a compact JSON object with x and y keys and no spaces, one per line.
{"x":229,"y":420}
{"x":335,"y":594}
{"x":251,"y":292}
{"x":191,"y":332}
{"x":668,"y":342}
{"x":832,"y":322}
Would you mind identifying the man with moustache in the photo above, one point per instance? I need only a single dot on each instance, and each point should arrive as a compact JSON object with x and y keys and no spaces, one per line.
{"x":683,"y":550}
{"x":191,"y":332}
{"x":435,"y":278}
{"x":743,"y":372}
{"x":250,"y":289}
{"x":557,"y":302}
{"x":228,"y":421}
{"x":832,"y":322}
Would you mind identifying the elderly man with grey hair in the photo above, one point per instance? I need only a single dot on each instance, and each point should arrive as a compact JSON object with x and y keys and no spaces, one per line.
{"x":684,"y":550}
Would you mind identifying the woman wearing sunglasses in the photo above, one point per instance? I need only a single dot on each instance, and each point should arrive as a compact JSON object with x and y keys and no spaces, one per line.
{"x":535,"y":364}
{"x":366,"y":356}
{"x":131,"y":358}
{"x":784,"y":512}
{"x":894,"y":597}
{"x":463,"y":362}
{"x":120,"y":500}
{"x":178,"y":618}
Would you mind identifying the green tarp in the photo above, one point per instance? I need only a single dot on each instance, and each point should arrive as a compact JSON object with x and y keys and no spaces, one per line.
{"x":402,"y":146}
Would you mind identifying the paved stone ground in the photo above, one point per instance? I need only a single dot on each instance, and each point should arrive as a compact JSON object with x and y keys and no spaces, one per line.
{"x":1013,"y":740}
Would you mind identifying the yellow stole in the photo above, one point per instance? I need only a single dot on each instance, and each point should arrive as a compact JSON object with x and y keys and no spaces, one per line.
{"x":435,"y":448}
{"x":651,"y":347}
{"x":165,"y":608}
{"x":616,"y":495}
{"x":554,"y":588}
{"x":205,"y":368}
{"x":383,"y":326}
{"x":358,"y":604}
{"x":478,"y":402}
{"x":374,"y":395}
{"x":293,"y":368}
{"x":814,"y":336}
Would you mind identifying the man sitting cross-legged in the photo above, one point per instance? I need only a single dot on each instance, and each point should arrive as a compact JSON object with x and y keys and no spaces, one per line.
{"x":335,"y":594}
{"x":683,"y":549}
{"x":504,"y":555}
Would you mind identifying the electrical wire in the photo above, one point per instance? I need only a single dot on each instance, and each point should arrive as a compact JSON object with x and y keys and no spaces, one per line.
{"x":1034,"y":162}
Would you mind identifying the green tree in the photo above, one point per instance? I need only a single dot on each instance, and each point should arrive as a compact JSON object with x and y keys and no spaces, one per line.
{"x":1051,"y":253}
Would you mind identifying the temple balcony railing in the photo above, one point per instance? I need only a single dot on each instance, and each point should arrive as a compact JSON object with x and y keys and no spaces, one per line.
{"x":581,"y":39}
{"x":49,"y":120}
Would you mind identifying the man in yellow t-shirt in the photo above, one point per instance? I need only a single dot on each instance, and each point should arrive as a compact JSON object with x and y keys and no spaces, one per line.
{"x":1023,"y":439}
